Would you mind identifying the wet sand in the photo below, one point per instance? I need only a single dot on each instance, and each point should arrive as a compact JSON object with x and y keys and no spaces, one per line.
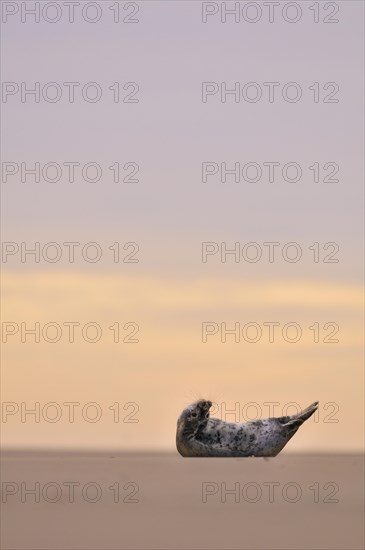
{"x":162,"y":501}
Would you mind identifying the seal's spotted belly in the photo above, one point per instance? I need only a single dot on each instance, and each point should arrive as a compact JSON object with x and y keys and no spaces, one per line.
{"x":257,"y":438}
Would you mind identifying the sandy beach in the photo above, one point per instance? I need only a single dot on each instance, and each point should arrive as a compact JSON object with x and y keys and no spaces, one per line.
{"x":115,"y":501}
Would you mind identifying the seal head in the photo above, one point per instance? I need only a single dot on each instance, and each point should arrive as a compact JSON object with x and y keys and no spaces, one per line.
{"x":191,"y":421}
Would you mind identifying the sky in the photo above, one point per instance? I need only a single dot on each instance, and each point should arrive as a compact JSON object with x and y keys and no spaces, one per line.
{"x":152,"y":253}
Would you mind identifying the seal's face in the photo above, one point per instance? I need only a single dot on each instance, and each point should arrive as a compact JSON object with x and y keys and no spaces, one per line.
{"x":195,"y":416}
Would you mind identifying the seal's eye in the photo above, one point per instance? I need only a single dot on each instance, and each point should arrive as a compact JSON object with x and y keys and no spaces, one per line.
{"x":194,"y":415}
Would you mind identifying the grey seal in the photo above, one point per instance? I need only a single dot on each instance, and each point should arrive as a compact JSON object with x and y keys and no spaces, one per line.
{"x":199,"y":435}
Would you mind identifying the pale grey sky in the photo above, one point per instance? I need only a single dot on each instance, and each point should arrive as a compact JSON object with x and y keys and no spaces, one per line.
{"x":170,"y":132}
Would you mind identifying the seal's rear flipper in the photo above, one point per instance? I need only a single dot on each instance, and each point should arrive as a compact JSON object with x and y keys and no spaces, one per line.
{"x":297,"y":420}
{"x":307,"y":413}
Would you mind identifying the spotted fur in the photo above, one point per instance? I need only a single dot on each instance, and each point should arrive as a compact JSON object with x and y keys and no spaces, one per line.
{"x":199,"y":435}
